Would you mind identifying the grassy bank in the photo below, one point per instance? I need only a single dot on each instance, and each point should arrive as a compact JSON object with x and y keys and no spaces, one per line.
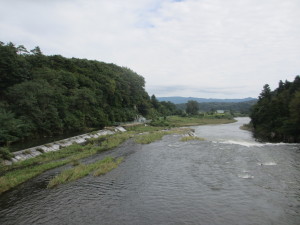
{"x":247,"y":127}
{"x":179,"y":121}
{"x":11,"y":176}
{"x":106,"y":165}
{"x":20,"y":172}
{"x":147,"y":138}
{"x":99,"y":167}
{"x":191,"y":138}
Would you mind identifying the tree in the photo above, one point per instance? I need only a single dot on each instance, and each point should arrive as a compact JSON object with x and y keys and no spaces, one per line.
{"x":36,"y":51}
{"x":13,"y":67}
{"x":275,"y":117}
{"x":11,"y":128}
{"x":295,"y":115}
{"x":266,"y":92}
{"x":192,"y":107}
{"x":154,"y":102}
{"x":22,"y":50}
{"x":49,"y":95}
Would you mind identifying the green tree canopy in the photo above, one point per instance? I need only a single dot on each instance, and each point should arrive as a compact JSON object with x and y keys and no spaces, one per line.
{"x":275,"y":117}
{"x":192,"y":107}
{"x":47,"y":95}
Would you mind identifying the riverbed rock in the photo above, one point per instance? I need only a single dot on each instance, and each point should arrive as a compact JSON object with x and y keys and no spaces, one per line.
{"x":120,"y":129}
{"x":14,"y":160}
{"x":191,"y":134}
{"x":35,"y":153}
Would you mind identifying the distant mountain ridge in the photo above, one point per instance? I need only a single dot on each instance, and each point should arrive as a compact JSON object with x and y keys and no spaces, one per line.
{"x":180,"y":100}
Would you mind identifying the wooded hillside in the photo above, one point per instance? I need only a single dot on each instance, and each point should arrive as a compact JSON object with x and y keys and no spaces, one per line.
{"x":47,"y":95}
{"x":276,"y":116}
{"x":235,"y":107}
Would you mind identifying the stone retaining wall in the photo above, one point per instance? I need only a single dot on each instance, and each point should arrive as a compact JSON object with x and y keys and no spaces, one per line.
{"x":57,"y":145}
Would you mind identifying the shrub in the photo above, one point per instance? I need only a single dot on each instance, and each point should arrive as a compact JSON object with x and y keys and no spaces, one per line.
{"x":27,"y":152}
{"x":192,"y":138}
{"x":40,"y":150}
{"x":5,"y":153}
{"x":160,"y":123}
{"x":75,"y":162}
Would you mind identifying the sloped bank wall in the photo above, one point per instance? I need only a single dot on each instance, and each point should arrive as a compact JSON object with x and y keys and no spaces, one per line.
{"x":57,"y":145}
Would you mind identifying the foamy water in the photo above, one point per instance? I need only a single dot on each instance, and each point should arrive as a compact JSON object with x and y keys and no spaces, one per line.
{"x":245,"y":176}
{"x":268,"y":164}
{"x":229,"y":179}
{"x":231,"y":134}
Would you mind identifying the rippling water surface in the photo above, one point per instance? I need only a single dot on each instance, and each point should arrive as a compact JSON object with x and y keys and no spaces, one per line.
{"x":227,"y":179}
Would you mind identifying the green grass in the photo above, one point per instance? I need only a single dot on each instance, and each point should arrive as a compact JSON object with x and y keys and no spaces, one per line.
{"x":108,"y":166}
{"x":158,"y":135}
{"x":77,"y":151}
{"x":22,"y":171}
{"x":179,"y":121}
{"x":27,"y":169}
{"x":191,"y":138}
{"x":149,"y":137}
{"x":142,"y":128}
{"x":43,"y":158}
{"x":17,"y":177}
{"x":19,"y":172}
{"x":100,"y":167}
{"x":247,"y":127}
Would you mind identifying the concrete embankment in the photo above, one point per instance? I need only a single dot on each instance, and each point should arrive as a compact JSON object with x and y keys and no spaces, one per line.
{"x":57,"y":145}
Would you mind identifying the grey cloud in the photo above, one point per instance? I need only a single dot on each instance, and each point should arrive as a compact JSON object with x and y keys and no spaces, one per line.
{"x":223,"y":48}
{"x":200,"y":91}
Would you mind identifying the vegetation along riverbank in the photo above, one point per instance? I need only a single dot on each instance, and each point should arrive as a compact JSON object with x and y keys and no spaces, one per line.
{"x":20,"y":172}
{"x":276,"y":115}
{"x":46,"y":96}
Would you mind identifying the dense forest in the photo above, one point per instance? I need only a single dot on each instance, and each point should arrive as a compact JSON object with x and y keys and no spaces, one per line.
{"x":182,"y":100}
{"x":49,"y":95}
{"x":276,"y":116}
{"x":235,"y":107}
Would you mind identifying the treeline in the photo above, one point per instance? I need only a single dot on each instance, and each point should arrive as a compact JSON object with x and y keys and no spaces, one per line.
{"x":49,"y":95}
{"x":276,"y":116}
{"x":235,"y":107}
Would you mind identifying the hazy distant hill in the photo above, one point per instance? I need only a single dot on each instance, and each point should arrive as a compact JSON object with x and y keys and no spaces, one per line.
{"x":180,"y":100}
{"x":240,"y":107}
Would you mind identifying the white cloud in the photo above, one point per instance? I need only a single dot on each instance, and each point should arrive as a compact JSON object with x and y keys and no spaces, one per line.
{"x":201,"y":48}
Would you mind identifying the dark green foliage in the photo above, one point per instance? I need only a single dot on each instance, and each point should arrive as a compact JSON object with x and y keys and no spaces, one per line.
{"x":160,"y":122}
{"x":163,"y":108}
{"x":192,"y":107}
{"x":49,"y":95}
{"x":183,"y":100}
{"x":276,"y":116}
{"x":11,"y":128}
{"x":5,"y":153}
{"x":242,"y":108}
{"x":13,"y":68}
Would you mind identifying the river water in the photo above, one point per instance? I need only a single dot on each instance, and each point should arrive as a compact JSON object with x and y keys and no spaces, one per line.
{"x":227,"y":179}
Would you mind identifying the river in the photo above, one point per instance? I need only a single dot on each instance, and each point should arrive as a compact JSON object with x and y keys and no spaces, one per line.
{"x":227,"y":179}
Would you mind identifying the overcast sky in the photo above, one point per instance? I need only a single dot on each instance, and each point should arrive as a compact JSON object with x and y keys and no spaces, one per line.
{"x":198,"y":48}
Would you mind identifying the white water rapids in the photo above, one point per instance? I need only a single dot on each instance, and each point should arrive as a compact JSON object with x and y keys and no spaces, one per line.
{"x":229,"y":179}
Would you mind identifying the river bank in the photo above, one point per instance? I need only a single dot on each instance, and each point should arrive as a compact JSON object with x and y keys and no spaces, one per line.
{"x":19,"y":172}
{"x":169,"y":181}
{"x":57,"y":145}
{"x":170,"y":121}
{"x":31,"y":162}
